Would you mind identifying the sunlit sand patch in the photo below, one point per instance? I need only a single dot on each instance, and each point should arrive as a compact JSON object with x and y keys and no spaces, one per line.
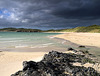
{"x":96,"y":66}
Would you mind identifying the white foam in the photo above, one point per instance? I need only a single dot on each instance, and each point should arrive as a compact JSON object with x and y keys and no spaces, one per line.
{"x":42,"y":45}
{"x":33,"y":46}
{"x":21,"y":46}
{"x":47,"y":44}
{"x":38,"y":46}
{"x":11,"y":38}
{"x":63,"y":42}
{"x":11,"y":41}
{"x":51,"y":37}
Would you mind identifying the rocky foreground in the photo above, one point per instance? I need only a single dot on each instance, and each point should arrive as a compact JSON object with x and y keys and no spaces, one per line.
{"x":59,"y":64}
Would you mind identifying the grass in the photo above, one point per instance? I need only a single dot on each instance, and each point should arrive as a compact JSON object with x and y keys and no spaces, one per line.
{"x":92,"y":29}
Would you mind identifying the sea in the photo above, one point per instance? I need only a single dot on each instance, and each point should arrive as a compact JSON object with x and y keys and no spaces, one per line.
{"x":38,"y":42}
{"x":26,"y":41}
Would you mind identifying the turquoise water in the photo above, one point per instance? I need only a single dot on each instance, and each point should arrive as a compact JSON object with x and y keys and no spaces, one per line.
{"x":20,"y":41}
{"x":30,"y":42}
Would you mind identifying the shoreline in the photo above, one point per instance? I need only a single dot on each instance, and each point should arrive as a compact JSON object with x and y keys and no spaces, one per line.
{"x":9,"y":60}
{"x":83,"y":37}
{"x":86,"y":39}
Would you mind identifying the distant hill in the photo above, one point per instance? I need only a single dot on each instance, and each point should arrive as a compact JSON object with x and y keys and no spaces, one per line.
{"x":92,"y":29}
{"x":19,"y":30}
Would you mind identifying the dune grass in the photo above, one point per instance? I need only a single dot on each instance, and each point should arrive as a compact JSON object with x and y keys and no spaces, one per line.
{"x":92,"y":29}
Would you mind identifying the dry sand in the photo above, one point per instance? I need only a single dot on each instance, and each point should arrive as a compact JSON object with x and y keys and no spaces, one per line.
{"x":89,"y":39}
{"x":95,"y":66}
{"x":11,"y":62}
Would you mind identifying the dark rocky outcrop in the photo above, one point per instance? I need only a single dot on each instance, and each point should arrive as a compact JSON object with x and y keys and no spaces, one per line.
{"x":81,"y":46}
{"x":57,"y":64}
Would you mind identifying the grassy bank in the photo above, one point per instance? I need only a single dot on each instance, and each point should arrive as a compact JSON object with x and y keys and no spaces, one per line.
{"x":91,"y":29}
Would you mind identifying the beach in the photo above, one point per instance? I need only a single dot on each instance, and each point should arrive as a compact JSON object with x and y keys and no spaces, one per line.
{"x":11,"y":62}
{"x":88,"y":39}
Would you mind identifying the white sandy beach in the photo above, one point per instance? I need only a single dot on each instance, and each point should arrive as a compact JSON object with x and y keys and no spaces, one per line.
{"x":89,"y":39}
{"x":11,"y":62}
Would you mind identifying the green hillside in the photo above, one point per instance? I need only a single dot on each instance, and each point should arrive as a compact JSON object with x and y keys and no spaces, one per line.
{"x":92,"y":29}
{"x":20,"y":30}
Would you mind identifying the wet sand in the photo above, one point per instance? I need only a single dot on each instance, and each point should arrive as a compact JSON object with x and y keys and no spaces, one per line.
{"x":88,"y":39}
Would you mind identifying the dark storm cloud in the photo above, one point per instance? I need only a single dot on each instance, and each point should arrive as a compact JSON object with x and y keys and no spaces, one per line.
{"x":80,"y":9}
{"x":48,"y":14}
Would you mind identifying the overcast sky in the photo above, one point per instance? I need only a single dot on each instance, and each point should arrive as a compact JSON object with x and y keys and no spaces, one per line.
{"x":49,"y":14}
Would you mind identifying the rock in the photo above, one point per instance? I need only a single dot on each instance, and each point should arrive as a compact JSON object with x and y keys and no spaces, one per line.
{"x":81,"y":46}
{"x":70,"y":49}
{"x":29,"y":65}
{"x":57,"y":64}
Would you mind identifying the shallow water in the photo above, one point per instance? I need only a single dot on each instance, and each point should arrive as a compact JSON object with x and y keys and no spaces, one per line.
{"x":30,"y":42}
{"x":92,"y":49}
{"x":25,"y":41}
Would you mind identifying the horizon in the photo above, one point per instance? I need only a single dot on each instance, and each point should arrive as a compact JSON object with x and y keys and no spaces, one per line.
{"x":49,"y":14}
{"x":46,"y":29}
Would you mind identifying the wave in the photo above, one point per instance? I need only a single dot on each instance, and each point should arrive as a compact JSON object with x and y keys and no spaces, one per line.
{"x":32,"y":46}
{"x":51,"y":37}
{"x":42,"y":45}
{"x":39,"y":46}
{"x":21,"y":46}
{"x":47,"y":44}
{"x":11,"y":41}
{"x":11,"y":38}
